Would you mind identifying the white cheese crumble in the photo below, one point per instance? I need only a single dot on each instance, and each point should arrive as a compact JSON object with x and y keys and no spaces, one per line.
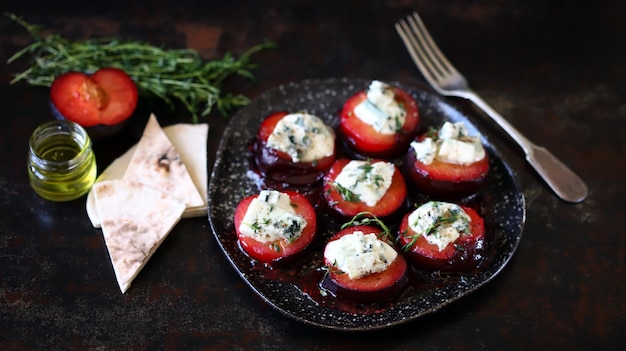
{"x":440,"y":223}
{"x":381,"y":110}
{"x":302,"y":136}
{"x":368,"y":181}
{"x":452,"y":145}
{"x":271,"y":217}
{"x":359,"y":254}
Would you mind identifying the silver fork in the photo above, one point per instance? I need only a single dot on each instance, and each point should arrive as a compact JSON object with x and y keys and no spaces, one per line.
{"x":446,"y":80}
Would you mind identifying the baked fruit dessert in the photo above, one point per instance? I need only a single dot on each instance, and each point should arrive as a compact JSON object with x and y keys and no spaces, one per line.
{"x":273,"y":226}
{"x":354,"y":186}
{"x":294,"y":148}
{"x":380,"y":121}
{"x":363,"y":266}
{"x":447,"y":162}
{"x":443,"y":236}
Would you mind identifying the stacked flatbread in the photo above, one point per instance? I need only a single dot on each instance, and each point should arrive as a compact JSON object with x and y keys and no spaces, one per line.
{"x":190,"y":142}
{"x":143,"y":194}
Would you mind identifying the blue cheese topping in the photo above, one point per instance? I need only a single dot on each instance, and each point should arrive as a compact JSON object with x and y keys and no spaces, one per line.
{"x":359,"y":254}
{"x":271,"y":217}
{"x":441,"y":223}
{"x":302,"y":136}
{"x":381,"y":110}
{"x":453,"y":144}
{"x":366,"y":180}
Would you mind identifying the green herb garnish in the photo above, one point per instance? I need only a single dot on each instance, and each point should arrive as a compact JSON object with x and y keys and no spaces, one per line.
{"x":257,"y":226}
{"x":168,"y":74}
{"x":432,"y":133}
{"x":346,"y":193}
{"x":368,"y":218}
{"x":369,"y":175}
{"x":453,"y":216}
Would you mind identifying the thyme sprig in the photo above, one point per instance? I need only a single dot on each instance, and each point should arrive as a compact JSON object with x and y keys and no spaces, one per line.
{"x":368,"y":218}
{"x":172,"y":75}
{"x":346,"y":193}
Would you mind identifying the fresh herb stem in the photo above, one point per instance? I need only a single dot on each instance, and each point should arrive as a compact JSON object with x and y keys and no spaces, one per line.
{"x":172,"y":75}
{"x":368,"y":218}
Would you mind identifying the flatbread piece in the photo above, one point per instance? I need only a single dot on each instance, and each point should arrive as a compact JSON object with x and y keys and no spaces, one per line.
{"x":136,"y":218}
{"x":157,"y":163}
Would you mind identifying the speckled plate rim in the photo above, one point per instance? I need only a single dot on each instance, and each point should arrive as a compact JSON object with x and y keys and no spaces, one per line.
{"x":229,"y":183}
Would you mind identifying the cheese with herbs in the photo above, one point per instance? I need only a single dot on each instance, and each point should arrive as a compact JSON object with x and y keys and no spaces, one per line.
{"x":440,"y":223}
{"x":366,"y":180}
{"x":453,"y":144}
{"x":302,"y":136}
{"x":381,"y":110}
{"x":271,"y":217}
{"x":359,"y":254}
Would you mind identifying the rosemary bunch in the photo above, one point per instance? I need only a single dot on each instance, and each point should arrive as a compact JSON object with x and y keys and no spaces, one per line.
{"x":169,"y":74}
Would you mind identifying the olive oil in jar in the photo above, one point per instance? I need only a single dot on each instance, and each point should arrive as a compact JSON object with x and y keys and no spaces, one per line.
{"x":61,"y":162}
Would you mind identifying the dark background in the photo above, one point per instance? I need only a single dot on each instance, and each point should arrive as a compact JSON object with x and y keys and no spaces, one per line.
{"x":554,"y":69}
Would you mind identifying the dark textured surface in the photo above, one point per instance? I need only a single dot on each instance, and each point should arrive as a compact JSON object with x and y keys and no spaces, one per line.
{"x":554,"y":69}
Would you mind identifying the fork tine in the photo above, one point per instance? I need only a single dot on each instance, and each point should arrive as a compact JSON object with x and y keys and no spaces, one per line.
{"x":432,"y":47}
{"x":415,"y":50}
{"x":425,"y":52}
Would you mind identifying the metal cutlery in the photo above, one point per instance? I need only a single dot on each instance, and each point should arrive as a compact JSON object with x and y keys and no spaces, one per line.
{"x":446,"y":80}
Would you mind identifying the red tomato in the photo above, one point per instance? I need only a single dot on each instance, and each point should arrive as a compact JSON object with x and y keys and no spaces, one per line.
{"x":463,"y":254}
{"x":446,"y":179}
{"x":366,"y":140}
{"x":278,"y":165}
{"x":107,"y":97}
{"x":373,"y":287}
{"x":387,"y":205}
{"x":279,"y":249}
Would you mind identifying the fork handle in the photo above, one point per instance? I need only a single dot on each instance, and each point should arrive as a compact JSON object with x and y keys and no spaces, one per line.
{"x":561,"y":179}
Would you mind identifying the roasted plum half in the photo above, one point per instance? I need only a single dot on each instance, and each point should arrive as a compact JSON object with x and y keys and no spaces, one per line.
{"x":293,"y":148}
{"x":442,"y":236}
{"x":363,"y":266}
{"x":447,"y":167}
{"x":379,"y":122}
{"x":353,"y":186}
{"x":275,"y":226}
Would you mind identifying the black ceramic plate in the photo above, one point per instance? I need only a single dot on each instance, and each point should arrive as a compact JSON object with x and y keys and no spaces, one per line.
{"x":293,"y":290}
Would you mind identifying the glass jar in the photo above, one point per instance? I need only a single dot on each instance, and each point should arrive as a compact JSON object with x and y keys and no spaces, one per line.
{"x":61,"y":162}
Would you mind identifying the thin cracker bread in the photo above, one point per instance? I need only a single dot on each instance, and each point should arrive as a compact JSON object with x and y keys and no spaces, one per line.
{"x":157,"y":163}
{"x":190,"y":141}
{"x":136,"y":218}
